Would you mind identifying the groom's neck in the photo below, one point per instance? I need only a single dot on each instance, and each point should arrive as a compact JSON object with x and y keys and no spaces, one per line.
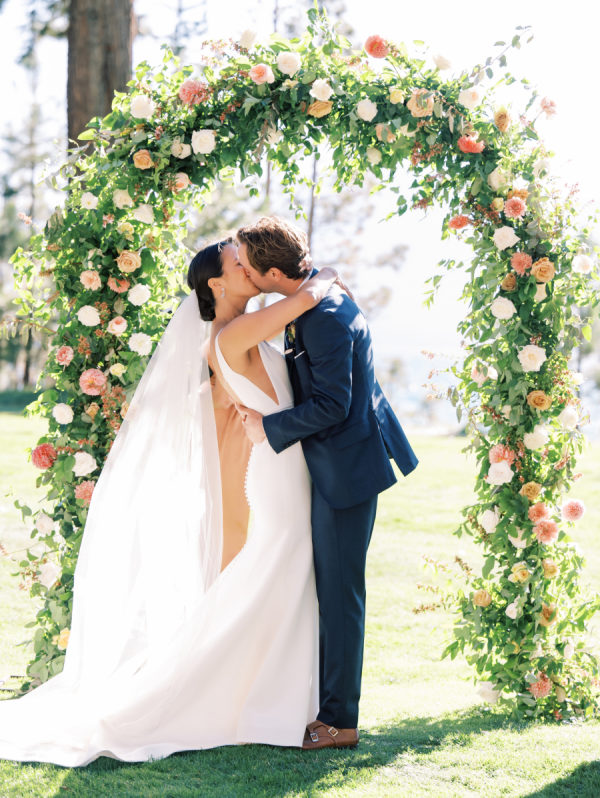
{"x":287,"y":286}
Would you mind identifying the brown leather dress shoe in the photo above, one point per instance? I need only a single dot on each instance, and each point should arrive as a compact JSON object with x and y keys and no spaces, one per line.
{"x":321,"y":735}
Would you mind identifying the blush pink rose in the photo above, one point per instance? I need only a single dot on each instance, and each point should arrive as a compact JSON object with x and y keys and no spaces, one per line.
{"x":470,"y":144}
{"x":548,"y":106}
{"x":92,"y":382}
{"x":501,"y":452}
{"x":182,"y":181}
{"x":84,"y":490}
{"x":377,"y":47}
{"x":118,"y":284}
{"x":520,"y":262}
{"x":192,"y":92}
{"x":542,"y":687}
{"x":262,"y":73}
{"x":64,"y":355}
{"x":90,"y":279}
{"x":546,"y":530}
{"x":117,"y":326}
{"x":44,"y":455}
{"x":538,"y":512}
{"x":514,"y":208}
{"x":572,"y":510}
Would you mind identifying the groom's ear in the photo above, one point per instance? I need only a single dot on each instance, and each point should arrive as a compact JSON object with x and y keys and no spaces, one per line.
{"x":275,"y":274}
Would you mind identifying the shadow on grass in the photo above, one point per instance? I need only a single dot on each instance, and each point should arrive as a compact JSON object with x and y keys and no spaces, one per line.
{"x":259,"y":770}
{"x":583,"y":782}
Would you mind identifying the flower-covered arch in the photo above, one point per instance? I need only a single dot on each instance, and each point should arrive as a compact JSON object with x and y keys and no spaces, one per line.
{"x":114,"y":255}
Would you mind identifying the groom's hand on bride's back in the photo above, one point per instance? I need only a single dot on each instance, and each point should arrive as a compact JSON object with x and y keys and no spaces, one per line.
{"x":253,"y":423}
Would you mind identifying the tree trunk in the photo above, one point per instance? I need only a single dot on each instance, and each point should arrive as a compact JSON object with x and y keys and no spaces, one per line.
{"x":100,"y":40}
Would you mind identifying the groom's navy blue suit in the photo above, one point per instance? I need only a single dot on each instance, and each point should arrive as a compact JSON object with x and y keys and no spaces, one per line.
{"x":348,"y":433}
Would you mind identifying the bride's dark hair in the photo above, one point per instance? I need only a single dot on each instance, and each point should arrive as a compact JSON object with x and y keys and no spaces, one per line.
{"x":206,"y":264}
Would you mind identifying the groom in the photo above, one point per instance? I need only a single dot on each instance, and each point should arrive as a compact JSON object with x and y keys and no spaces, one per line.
{"x":348,"y":433}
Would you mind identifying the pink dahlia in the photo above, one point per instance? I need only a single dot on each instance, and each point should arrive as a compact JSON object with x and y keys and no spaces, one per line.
{"x":500,"y":452}
{"x":377,"y":47}
{"x":44,"y":455}
{"x":514,"y":208}
{"x":572,"y":510}
{"x":546,"y":530}
{"x":520,"y":261}
{"x":118,"y":284}
{"x":542,"y":687}
{"x":458,"y":222}
{"x":192,"y":92}
{"x":470,"y":144}
{"x":64,"y":355}
{"x":538,"y":512}
{"x":548,"y":106}
{"x":92,"y":382}
{"x":84,"y":490}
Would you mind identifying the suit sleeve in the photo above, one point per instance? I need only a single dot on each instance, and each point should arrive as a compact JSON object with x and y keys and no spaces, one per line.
{"x":329,"y":345}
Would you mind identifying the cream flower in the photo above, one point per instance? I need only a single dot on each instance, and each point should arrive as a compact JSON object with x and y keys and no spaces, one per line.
{"x":569,"y":417}
{"x":117,"y":326}
{"x":540,"y":292}
{"x":321,"y":90}
{"x":469,"y":98}
{"x":500,"y":473}
{"x":142,"y":107}
{"x":541,"y":165}
{"x":441,"y":62}
{"x":122,"y":199}
{"x":49,"y":573}
{"x":518,"y":541}
{"x":203,"y":141}
{"x":489,"y":519}
{"x":531,"y":357}
{"x":502,"y":308}
{"x":62,"y":413}
{"x":512,"y":611}
{"x":396,"y":96}
{"x":289,"y":63}
{"x":144,"y":213}
{"x":274,"y":136}
{"x":89,"y":201}
{"x":84,"y":464}
{"x":487,"y":692}
{"x":139,"y":294}
{"x":118,"y":369}
{"x":247,"y":39}
{"x":88,"y":315}
{"x":44,"y":524}
{"x":582,"y":264}
{"x":497,"y":179}
{"x":373,"y":155}
{"x":536,"y":439}
{"x":505,"y":237}
{"x":366,"y":110}
{"x":140,"y":343}
{"x":180,"y":149}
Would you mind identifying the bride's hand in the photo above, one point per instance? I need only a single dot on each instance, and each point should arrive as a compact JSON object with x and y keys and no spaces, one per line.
{"x":318,"y":286}
{"x":344,"y":287}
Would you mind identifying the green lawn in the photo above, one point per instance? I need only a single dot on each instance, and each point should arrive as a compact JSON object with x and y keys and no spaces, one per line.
{"x":424,"y":730}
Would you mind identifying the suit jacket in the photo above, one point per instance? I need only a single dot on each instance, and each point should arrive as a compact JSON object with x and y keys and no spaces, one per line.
{"x":346,"y":425}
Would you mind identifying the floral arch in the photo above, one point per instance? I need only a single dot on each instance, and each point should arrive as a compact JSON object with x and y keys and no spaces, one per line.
{"x":521,"y":622}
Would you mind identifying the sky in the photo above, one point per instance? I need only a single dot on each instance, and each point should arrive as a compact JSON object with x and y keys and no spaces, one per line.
{"x":561,"y":61}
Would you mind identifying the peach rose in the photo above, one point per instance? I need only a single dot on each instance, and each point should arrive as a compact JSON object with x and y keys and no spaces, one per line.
{"x":117,"y":326}
{"x":129,"y":261}
{"x":262,"y":73}
{"x":502,"y":119}
{"x":546,"y":531}
{"x":469,"y":144}
{"x":500,"y":452}
{"x":143,"y":160}
{"x":181,"y":181}
{"x":509,"y":283}
{"x":522,"y":193}
{"x":92,"y":382}
{"x":418,"y":107}
{"x":543,"y":270}
{"x":549,"y":615}
{"x":64,"y":355}
{"x":92,"y":409}
{"x":90,"y":279}
{"x":192,"y":92}
{"x":537,"y":512}
{"x":377,"y":47}
{"x":520,"y":262}
{"x":124,"y":409}
{"x":118,"y":284}
{"x":531,"y":490}
{"x":384,"y":132}
{"x":550,"y":568}
{"x":539,"y":400}
{"x":320,"y":108}
{"x":481,"y":598}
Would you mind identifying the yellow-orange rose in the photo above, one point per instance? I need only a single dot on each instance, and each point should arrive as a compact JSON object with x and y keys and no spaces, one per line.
{"x":143,"y":160}
{"x":543,"y":270}
{"x":520,"y":573}
{"x":63,"y":639}
{"x":419,"y":107}
{"x":129,"y":261}
{"x":384,"y":132}
{"x":502,"y":119}
{"x":550,"y":568}
{"x":481,"y":598}
{"x":396,"y":96}
{"x":531,"y":490}
{"x":92,"y":409}
{"x":549,"y":615}
{"x":509,"y":283}
{"x":124,"y":409}
{"x":126,"y":229}
{"x":497,"y":204}
{"x":320,"y":108}
{"x":522,"y":193}
{"x":539,"y":400}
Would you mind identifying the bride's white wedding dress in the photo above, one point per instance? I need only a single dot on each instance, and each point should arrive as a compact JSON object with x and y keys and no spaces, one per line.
{"x":239,"y":666}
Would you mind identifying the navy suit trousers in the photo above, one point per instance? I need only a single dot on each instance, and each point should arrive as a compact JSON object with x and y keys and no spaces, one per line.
{"x":340,"y":542}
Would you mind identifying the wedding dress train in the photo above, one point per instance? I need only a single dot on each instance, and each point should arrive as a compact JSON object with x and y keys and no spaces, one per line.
{"x":239,"y":664}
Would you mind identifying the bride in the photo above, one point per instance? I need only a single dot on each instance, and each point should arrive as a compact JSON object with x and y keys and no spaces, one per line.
{"x":176,"y":644}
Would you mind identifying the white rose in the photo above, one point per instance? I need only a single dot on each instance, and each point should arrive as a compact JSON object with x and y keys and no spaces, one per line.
{"x":44,"y":524}
{"x":577,"y":377}
{"x":121,"y":198}
{"x":505,"y":237}
{"x":469,"y":98}
{"x":63,"y":413}
{"x":536,"y":439}
{"x":568,"y":417}
{"x":479,"y":377}
{"x":142,"y":107}
{"x":118,"y":369}
{"x":531,"y":357}
{"x":88,"y":315}
{"x":247,"y":39}
{"x":373,"y":155}
{"x":441,"y":62}
{"x":367,"y":110}
{"x":502,"y":308}
{"x":49,"y":573}
{"x":561,"y":695}
{"x":537,"y":652}
{"x":569,"y":650}
{"x":489,"y":519}
{"x":487,"y":692}
{"x":203,"y":141}
{"x":512,"y":611}
{"x":505,"y":410}
{"x":144,"y":213}
{"x":179,"y":149}
{"x":139,"y":294}
{"x":89,"y":200}
{"x":497,"y":179}
{"x":84,"y":464}
{"x":274,"y":135}
{"x":321,"y":90}
{"x":518,"y":542}
{"x":582,"y":264}
{"x":540,"y":292}
{"x":541,"y":165}
{"x":140,"y":343}
{"x":500,"y":473}
{"x":289,"y":63}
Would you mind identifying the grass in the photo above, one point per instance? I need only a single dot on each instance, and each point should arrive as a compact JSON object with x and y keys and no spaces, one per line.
{"x":424,"y":731}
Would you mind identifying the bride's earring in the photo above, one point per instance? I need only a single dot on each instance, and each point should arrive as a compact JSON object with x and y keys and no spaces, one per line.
{"x":222,"y":292}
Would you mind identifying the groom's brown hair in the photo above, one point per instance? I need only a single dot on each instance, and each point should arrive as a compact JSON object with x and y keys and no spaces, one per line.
{"x":271,"y":242}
